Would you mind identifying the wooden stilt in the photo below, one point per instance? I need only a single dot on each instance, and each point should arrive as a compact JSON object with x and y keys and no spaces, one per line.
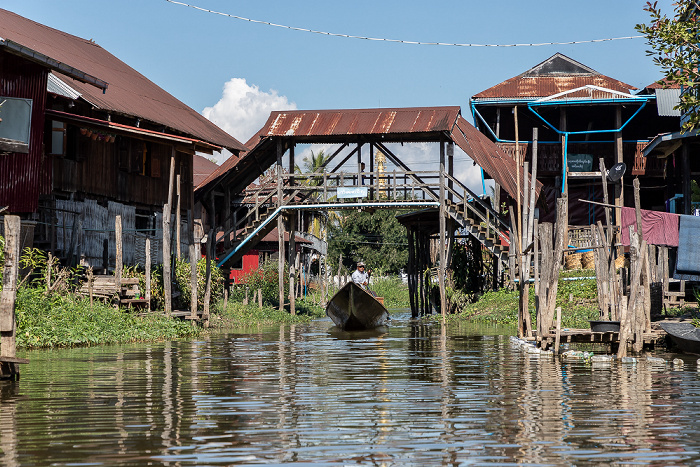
{"x":119,"y":263}
{"x":178,"y":220}
{"x":194,"y":299}
{"x":9,"y":363}
{"x":147,"y":292}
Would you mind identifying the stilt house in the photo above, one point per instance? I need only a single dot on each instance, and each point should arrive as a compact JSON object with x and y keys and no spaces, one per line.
{"x":85,"y":137}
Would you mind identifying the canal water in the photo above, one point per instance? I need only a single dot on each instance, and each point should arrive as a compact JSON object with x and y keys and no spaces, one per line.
{"x":411,"y":394}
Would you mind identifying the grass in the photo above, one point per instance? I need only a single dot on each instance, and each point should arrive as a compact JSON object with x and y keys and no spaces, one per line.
{"x":577,"y":298}
{"x":69,"y":321}
{"x":237,"y":315}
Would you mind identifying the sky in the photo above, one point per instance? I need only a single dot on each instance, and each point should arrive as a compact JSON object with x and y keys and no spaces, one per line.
{"x":235,"y":72}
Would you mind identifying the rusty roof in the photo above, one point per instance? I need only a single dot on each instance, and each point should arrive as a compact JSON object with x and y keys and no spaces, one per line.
{"x":430,"y":124}
{"x":557,"y":74}
{"x":201,"y":168}
{"x":495,"y":162}
{"x":128,"y":91}
{"x":413,"y":121}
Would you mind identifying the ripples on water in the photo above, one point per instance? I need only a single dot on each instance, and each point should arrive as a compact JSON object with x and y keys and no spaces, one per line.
{"x":411,"y":394}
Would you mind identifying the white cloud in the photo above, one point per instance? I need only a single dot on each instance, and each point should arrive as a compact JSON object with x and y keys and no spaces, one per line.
{"x":426,"y":157}
{"x":243,"y":109}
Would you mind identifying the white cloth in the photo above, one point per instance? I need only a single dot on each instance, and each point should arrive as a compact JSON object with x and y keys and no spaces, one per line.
{"x":360,"y":278}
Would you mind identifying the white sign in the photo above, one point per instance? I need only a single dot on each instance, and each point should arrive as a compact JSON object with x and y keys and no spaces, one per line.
{"x":352,"y":192}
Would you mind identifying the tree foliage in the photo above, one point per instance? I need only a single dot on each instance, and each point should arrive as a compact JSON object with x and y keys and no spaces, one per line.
{"x":377,"y":238}
{"x":674,"y":48}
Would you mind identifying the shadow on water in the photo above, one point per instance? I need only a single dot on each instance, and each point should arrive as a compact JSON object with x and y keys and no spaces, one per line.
{"x":341,"y":334}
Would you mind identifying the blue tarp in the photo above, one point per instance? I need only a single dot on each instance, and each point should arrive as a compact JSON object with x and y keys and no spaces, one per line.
{"x":688,"y":258}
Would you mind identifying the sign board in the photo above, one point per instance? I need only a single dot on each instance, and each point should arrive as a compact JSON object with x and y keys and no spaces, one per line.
{"x":15,"y":122}
{"x":579,"y":162}
{"x":352,"y":192}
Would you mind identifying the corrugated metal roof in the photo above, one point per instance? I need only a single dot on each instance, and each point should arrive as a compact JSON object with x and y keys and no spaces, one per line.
{"x":490,"y":157}
{"x":556,"y":74}
{"x":392,"y":125}
{"x":56,"y":86}
{"x":410,"y":120}
{"x":128,"y":93}
{"x":666,"y":100}
{"x":202,"y":168}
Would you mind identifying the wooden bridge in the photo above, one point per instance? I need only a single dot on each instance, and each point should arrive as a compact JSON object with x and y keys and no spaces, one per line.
{"x":244,"y":220}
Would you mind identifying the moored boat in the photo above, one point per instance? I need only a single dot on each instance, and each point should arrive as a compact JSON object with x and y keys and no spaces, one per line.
{"x":352,"y":308}
{"x":685,"y":336}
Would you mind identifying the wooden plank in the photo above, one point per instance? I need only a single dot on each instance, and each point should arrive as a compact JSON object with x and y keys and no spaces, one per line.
{"x":13,"y":360}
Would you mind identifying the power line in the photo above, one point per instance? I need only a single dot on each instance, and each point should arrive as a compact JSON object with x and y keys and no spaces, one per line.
{"x":401,"y":41}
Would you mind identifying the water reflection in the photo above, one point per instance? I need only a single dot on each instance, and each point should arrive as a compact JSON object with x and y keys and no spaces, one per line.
{"x":410,"y":394}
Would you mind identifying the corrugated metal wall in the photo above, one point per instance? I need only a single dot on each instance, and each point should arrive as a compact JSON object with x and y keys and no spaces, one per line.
{"x":23,"y":177}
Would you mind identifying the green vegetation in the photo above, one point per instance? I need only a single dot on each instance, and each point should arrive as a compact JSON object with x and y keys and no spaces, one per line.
{"x":395,"y":292}
{"x":58,"y":320}
{"x":51,"y":314}
{"x":238,"y":315}
{"x":377,"y":238}
{"x":673,"y":43}
{"x":577,"y":299}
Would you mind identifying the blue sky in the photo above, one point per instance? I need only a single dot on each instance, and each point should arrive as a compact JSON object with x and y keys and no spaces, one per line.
{"x":193,"y":54}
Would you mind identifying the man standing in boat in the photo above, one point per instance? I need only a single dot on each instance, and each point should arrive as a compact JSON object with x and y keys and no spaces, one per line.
{"x":360,"y":277}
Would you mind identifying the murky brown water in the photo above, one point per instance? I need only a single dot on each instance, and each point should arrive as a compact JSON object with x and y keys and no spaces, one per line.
{"x":307,"y":394}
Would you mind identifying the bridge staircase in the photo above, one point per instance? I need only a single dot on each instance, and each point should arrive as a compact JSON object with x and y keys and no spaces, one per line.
{"x":470,"y":212}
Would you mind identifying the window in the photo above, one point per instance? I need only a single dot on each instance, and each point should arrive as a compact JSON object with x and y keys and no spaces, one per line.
{"x":58,"y":138}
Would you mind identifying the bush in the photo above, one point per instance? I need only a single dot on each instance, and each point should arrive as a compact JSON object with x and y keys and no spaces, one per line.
{"x":181,"y":283}
{"x":266,"y":278}
{"x":65,"y":321}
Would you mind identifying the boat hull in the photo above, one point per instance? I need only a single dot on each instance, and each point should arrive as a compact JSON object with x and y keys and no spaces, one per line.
{"x":684,"y":335}
{"x":354,"y":309}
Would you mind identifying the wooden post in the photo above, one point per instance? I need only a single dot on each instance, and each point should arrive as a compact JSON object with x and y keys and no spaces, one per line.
{"x":167,"y":247}
{"x":167,"y":283}
{"x":207,"y":287}
{"x":604,"y":182}
{"x":533,"y":188}
{"x":8,"y":324}
{"x":517,"y":176}
{"x":119,"y":263}
{"x":178,"y":220}
{"x":524,"y":224}
{"x":557,"y":337}
{"x":194,"y":258}
{"x":280,"y":228}
{"x":147,"y":292}
{"x":292,"y":265}
{"x":443,"y":258}
{"x":90,"y":278}
{"x":450,"y":168}
{"x":619,"y":157}
{"x":245,"y":298}
{"x":260,"y":302}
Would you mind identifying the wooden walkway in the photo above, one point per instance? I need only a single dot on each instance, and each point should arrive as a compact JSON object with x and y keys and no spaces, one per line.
{"x":586,"y":336}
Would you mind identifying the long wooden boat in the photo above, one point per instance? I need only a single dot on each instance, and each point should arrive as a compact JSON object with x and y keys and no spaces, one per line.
{"x":353,"y":309}
{"x":685,"y":336}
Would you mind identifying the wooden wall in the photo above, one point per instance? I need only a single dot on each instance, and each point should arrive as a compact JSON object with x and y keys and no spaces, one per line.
{"x":128,"y":170}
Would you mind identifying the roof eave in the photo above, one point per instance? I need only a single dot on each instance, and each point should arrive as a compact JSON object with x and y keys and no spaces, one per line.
{"x":30,"y":54}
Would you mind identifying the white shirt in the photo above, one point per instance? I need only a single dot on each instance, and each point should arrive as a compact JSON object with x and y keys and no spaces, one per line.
{"x":360,"y":278}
